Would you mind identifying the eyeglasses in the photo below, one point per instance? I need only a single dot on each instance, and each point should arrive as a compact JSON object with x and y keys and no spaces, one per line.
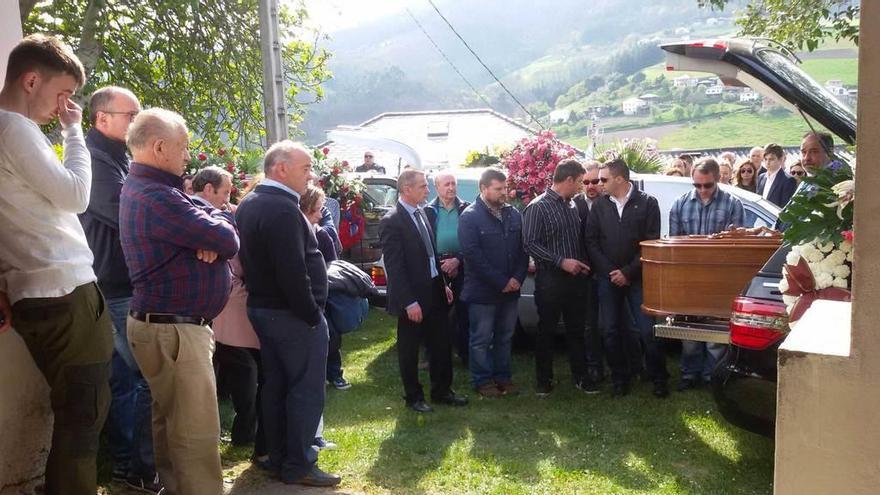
{"x":798,"y":172}
{"x":368,"y":156}
{"x":131,"y":115}
{"x":593,"y":181}
{"x":709,"y":185}
{"x":746,"y":171}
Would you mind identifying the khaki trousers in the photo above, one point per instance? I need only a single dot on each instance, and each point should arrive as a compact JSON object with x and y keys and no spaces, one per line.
{"x":175,"y":359}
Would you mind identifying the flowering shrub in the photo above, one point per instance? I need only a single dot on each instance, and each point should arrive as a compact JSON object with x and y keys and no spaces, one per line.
{"x":531,"y":163}
{"x":227,"y":159}
{"x":819,"y":265}
{"x":334,"y":180}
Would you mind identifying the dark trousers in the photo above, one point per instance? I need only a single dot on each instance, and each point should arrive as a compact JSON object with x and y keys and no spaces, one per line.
{"x":558,"y":294}
{"x":334,"y":354}
{"x":614,"y":301}
{"x":593,"y":336}
{"x":460,"y":318}
{"x":434,"y":329}
{"x":239,"y":371}
{"x":71,"y":341}
{"x":294,"y":356}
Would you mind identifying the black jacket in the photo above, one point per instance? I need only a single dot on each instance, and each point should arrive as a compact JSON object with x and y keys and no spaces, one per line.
{"x":613,"y":241}
{"x":279,"y":253}
{"x":100,"y":221}
{"x":781,"y":191}
{"x":406,"y":267}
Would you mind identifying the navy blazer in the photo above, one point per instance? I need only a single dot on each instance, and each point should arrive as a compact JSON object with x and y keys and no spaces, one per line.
{"x":781,"y":191}
{"x":405,"y":256}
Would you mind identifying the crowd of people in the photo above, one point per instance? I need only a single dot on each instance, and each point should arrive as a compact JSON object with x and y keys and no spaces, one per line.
{"x":143,"y":300}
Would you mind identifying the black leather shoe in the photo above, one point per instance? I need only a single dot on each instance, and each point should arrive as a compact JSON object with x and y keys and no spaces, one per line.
{"x":619,"y":389}
{"x":687,"y":384}
{"x":420,"y":406}
{"x":315,"y":477}
{"x":661,"y":390}
{"x":451,"y":399}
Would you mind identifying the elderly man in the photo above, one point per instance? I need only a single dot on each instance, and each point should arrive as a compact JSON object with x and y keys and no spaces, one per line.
{"x":417,"y":294}
{"x":704,"y":210}
{"x":618,"y":223}
{"x":212,"y":187}
{"x":443,"y":214}
{"x":369,"y":164}
{"x":286,"y":280}
{"x":552,"y":235}
{"x":756,"y":156}
{"x":129,"y":422}
{"x":176,"y":253}
{"x":47,"y":283}
{"x":491,"y":240}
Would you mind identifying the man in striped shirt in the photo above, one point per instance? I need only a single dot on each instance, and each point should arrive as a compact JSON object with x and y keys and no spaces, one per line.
{"x":553,"y":237}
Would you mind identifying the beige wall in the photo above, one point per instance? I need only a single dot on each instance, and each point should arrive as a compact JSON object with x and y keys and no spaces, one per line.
{"x":828,"y":434}
{"x":10,"y":32}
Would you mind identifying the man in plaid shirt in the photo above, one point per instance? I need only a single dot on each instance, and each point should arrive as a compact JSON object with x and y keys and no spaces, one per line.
{"x":705,"y":210}
{"x":176,"y":253}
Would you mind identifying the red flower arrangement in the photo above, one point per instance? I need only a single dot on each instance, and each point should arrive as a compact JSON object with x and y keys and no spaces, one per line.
{"x":531,"y":163}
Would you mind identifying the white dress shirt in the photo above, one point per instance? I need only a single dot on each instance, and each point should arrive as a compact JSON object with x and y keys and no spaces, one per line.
{"x":621,"y":204}
{"x":769,"y":177}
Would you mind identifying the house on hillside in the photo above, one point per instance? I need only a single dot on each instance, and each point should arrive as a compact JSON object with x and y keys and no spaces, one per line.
{"x":632,"y":106}
{"x":683,"y":81}
{"x":714,"y":90}
{"x":442,"y":138}
{"x":561,"y":116}
{"x":749,"y":96}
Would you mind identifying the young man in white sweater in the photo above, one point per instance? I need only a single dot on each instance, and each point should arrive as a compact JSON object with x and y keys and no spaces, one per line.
{"x":47,"y":284}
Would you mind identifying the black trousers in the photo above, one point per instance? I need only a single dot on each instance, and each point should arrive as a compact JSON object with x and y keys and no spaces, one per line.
{"x":558,"y":294}
{"x":434,"y":330}
{"x":239,"y":373}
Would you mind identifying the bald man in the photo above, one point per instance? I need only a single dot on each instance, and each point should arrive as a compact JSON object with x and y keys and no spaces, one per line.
{"x":287,"y":290}
{"x":176,"y":253}
{"x":443,"y":214}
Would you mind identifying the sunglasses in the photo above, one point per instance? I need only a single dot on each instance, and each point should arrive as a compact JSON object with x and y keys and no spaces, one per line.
{"x":368,"y":156}
{"x":798,"y":172}
{"x":603,"y":180}
{"x":593,"y":181}
{"x":710,"y":185}
{"x":747,"y":171}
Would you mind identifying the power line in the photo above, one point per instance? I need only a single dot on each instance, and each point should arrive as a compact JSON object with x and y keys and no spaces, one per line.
{"x":479,"y":95}
{"x":523,"y":107}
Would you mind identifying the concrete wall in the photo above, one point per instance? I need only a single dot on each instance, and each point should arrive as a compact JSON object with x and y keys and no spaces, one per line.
{"x":25,"y":416}
{"x":827,"y":436}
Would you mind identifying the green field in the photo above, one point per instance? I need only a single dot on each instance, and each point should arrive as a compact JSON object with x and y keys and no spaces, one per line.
{"x":738,"y":129}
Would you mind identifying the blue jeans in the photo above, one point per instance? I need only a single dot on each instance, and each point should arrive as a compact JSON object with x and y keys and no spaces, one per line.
{"x":612,"y":299}
{"x":698,"y":359}
{"x":491,"y":332}
{"x":294,"y":356}
{"x":129,"y":422}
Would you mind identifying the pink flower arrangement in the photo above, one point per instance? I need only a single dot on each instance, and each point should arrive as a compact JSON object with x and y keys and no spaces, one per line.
{"x":531,"y":163}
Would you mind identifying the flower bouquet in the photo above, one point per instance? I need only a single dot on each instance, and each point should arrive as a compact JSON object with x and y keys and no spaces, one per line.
{"x":530,"y":165}
{"x":334,"y":179}
{"x":231,"y":160}
{"x":820,"y":219}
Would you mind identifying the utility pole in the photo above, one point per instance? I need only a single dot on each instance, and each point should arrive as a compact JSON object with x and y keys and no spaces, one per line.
{"x":274,"y":90}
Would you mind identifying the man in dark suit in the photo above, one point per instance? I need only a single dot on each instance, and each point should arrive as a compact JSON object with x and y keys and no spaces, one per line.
{"x":287,"y":288}
{"x":417,"y":294}
{"x":775,"y":185}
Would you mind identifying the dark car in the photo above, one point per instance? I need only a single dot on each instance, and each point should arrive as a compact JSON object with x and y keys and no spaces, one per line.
{"x":744,"y":380}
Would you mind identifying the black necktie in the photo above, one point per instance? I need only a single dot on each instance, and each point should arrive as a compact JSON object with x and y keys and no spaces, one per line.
{"x":423,"y":231}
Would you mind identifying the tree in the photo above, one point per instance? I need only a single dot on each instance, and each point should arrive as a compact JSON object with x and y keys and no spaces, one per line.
{"x":201,"y":59}
{"x":802,"y":25}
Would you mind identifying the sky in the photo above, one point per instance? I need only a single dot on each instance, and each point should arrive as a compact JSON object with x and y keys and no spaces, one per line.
{"x":336,"y":15}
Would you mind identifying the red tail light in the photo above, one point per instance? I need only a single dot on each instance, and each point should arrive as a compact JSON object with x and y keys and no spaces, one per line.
{"x":378,"y":276}
{"x":757,"y":324}
{"x":717,"y":44}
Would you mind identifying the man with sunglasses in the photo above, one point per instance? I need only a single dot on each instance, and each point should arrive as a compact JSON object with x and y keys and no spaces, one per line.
{"x":705,"y":210}
{"x":369,"y":165}
{"x":129,"y":423}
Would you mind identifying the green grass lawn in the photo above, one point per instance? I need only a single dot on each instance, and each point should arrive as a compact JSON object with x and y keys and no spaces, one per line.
{"x":567,"y":443}
{"x":737,"y":129}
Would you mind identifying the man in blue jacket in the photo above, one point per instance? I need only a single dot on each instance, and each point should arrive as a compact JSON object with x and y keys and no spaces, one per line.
{"x":129,"y":423}
{"x":490,"y":235}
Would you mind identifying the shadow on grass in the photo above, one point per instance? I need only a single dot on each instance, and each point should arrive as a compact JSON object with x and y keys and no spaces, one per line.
{"x":514,"y":444}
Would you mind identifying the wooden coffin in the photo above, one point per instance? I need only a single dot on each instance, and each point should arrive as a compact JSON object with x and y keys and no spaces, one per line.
{"x":700,"y":275}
